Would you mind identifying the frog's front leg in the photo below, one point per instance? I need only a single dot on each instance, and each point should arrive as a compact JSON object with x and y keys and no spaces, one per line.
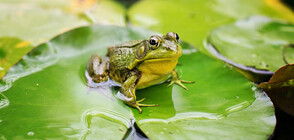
{"x":175,"y":79}
{"x":128,"y":88}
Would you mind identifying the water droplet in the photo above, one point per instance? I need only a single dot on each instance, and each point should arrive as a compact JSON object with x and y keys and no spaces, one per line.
{"x":253,"y":88}
{"x":164,"y":128}
{"x":30,"y":133}
{"x":238,"y":107}
{"x":161,"y":132}
{"x":237,"y":97}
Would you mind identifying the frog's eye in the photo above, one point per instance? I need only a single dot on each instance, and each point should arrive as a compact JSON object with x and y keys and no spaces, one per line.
{"x":141,"y":51}
{"x":154,"y":42}
{"x":172,"y":36}
{"x":177,"y":37}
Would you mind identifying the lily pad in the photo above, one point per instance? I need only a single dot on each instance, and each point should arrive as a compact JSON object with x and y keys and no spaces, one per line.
{"x":11,"y":51}
{"x":45,"y":96}
{"x":193,"y":19}
{"x":220,"y":99}
{"x":258,"y":42}
{"x":39,"y":21}
{"x":36,"y":22}
{"x":280,"y":88}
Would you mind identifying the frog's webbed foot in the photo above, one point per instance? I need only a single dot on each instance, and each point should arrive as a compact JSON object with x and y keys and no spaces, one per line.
{"x":180,"y":83}
{"x":175,"y":79}
{"x":138,"y":105}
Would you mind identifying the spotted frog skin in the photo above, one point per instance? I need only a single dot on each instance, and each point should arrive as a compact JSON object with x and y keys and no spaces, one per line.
{"x":139,"y":64}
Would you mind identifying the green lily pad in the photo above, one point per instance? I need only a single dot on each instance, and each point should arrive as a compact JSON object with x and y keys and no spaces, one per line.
{"x":36,"y":22}
{"x":39,"y":21}
{"x":45,"y":95}
{"x":220,"y":98}
{"x":193,"y":19}
{"x":11,"y":51}
{"x":258,"y":42}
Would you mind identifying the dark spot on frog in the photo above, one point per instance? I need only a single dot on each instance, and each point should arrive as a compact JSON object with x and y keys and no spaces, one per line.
{"x":170,"y":132}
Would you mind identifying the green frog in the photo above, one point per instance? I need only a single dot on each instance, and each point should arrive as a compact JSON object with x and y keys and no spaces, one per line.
{"x":139,"y":64}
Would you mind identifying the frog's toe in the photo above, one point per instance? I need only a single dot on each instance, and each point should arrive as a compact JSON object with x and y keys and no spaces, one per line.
{"x":180,"y":83}
{"x":145,"y":105}
{"x":148,"y":105}
{"x":189,"y":82}
{"x":141,"y":100}
{"x":171,"y":82}
{"x":139,"y":109}
{"x":138,"y":105}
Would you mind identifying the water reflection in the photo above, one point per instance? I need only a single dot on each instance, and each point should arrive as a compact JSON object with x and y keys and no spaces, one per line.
{"x":96,"y":121}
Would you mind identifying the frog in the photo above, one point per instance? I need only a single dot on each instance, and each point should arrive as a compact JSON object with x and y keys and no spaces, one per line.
{"x":139,"y":64}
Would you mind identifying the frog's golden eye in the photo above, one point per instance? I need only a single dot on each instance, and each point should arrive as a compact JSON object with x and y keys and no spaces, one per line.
{"x":141,"y":51}
{"x":154,"y":42}
{"x":172,"y":36}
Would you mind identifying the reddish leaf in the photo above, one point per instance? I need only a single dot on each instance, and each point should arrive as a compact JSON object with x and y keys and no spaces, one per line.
{"x":280,"y":88}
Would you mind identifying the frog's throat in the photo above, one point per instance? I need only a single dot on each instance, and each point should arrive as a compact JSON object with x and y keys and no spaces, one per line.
{"x":136,"y":62}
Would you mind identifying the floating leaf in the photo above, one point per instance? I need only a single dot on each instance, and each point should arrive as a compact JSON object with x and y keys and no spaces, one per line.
{"x":258,"y":42}
{"x":280,"y":88}
{"x":194,"y":19}
{"x":36,"y":22}
{"x":219,"y":99}
{"x":11,"y":51}
{"x":39,"y":21}
{"x":45,"y":96}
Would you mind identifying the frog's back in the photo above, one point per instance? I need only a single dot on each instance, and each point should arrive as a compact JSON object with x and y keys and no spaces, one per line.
{"x":122,"y":55}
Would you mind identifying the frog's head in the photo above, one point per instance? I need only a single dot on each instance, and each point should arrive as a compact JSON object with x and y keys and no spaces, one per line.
{"x":157,"y":47}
